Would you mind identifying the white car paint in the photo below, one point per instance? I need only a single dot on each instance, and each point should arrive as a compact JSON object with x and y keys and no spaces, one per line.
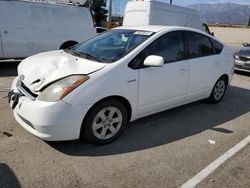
{"x":147,"y":90}
{"x":57,"y":64}
{"x":168,"y":94}
{"x":28,"y":28}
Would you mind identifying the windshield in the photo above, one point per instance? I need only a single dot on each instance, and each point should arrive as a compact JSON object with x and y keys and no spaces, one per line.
{"x":110,"y":46}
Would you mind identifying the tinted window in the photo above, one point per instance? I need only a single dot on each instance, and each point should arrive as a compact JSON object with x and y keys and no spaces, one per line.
{"x":205,"y":28}
{"x":217,"y":46}
{"x":170,"y":46}
{"x":100,"y":30}
{"x":199,"y":45}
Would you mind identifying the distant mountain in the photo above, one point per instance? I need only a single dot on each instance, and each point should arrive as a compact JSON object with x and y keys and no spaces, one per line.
{"x":228,"y":13}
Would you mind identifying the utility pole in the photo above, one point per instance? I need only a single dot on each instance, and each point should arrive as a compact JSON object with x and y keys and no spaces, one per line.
{"x":171,"y":1}
{"x":109,"y":18}
{"x":248,"y":24}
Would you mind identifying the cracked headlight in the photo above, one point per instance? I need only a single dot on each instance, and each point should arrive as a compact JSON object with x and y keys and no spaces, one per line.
{"x":61,"y":88}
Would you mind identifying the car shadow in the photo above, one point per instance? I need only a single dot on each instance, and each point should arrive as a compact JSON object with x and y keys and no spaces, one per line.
{"x":8,"y":177}
{"x":8,"y":68}
{"x":168,"y":126}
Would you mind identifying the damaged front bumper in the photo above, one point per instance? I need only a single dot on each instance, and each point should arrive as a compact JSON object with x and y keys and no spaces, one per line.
{"x":51,"y":121}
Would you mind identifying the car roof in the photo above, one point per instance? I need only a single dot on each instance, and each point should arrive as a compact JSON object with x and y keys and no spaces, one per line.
{"x":159,"y":28}
{"x":153,"y":28}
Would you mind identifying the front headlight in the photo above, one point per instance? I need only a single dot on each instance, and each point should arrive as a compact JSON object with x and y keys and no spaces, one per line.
{"x":236,"y":57}
{"x":61,"y":88}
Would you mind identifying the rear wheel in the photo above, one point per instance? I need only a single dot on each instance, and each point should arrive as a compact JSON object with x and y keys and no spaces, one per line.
{"x":218,"y":91}
{"x":105,"y":122}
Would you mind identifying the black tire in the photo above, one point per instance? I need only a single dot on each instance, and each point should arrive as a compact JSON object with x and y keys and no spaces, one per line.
{"x":100,"y":116}
{"x":218,"y":91}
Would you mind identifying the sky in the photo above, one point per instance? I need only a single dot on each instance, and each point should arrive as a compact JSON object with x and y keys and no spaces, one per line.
{"x":119,"y":5}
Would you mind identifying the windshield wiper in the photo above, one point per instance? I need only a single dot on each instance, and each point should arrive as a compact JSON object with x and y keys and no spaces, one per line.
{"x":87,"y":56}
{"x":68,"y":50}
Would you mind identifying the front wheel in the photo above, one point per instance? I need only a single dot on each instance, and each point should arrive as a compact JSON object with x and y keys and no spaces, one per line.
{"x":105,"y":122}
{"x":218,"y":91}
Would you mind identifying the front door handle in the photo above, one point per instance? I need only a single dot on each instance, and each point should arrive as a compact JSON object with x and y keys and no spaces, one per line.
{"x":216,"y":64}
{"x":182,"y":71}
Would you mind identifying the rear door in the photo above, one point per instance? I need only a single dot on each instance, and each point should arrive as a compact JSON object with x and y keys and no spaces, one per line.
{"x":204,"y":66}
{"x":15,"y":30}
{"x":16,"y":41}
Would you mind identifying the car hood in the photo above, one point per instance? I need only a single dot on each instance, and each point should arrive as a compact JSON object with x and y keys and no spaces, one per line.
{"x":42,"y":69}
{"x":244,"y":52}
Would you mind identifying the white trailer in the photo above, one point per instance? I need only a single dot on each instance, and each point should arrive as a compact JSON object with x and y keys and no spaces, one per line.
{"x":150,"y":12}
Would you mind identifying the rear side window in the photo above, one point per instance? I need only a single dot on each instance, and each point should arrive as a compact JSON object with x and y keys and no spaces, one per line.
{"x":199,"y":45}
{"x":218,"y":47}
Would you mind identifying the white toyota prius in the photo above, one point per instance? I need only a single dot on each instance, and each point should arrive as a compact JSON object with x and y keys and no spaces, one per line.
{"x":94,"y":89}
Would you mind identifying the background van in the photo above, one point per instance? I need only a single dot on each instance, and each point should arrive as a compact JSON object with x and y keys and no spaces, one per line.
{"x":27,"y":28}
{"x":149,"y":12}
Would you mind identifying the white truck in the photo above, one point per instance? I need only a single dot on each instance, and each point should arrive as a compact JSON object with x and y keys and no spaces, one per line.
{"x":28,"y":28}
{"x":150,"y":12}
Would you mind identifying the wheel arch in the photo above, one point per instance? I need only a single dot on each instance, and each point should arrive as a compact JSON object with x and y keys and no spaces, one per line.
{"x":225,"y":77}
{"x":67,"y":44}
{"x":121,"y":99}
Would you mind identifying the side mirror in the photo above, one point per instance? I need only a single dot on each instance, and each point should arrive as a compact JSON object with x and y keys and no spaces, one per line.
{"x":246,"y":44}
{"x":154,"y":61}
{"x":212,"y":33}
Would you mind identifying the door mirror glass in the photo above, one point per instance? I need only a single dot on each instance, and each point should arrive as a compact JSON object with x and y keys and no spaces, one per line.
{"x":154,"y":61}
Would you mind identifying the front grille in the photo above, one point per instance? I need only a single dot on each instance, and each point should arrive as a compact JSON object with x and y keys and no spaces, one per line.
{"x":242,"y":67}
{"x":247,"y":65}
{"x":242,"y":58}
{"x":28,"y":90}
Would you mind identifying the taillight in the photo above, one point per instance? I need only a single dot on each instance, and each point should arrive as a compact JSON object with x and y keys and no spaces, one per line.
{"x":94,"y":21}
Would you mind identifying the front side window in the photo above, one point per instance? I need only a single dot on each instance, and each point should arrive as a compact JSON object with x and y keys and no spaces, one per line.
{"x":110,"y":46}
{"x":199,"y":45}
{"x":169,"y":46}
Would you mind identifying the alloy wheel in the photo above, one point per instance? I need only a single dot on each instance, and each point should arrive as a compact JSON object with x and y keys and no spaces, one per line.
{"x":107,"y":123}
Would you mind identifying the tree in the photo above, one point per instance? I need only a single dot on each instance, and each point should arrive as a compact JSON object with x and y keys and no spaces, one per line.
{"x":99,"y":9}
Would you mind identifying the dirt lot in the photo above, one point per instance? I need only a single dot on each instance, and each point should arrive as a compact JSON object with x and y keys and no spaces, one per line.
{"x":163,"y":150}
{"x":232,"y":36}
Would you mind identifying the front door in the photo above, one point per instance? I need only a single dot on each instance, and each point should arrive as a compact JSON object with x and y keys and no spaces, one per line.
{"x":164,"y":87}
